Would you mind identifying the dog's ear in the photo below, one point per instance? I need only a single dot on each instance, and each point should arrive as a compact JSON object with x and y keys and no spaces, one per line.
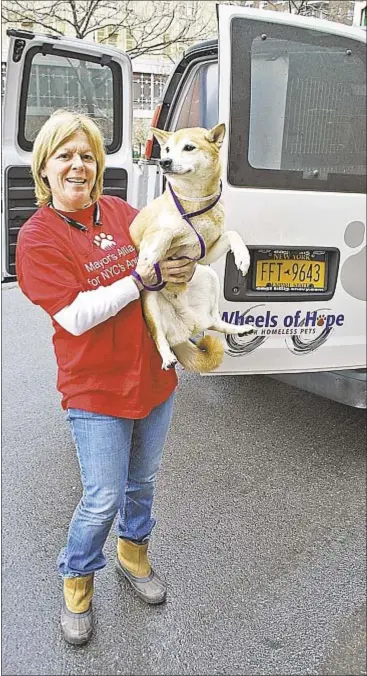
{"x":161,"y":136}
{"x":216,"y":134}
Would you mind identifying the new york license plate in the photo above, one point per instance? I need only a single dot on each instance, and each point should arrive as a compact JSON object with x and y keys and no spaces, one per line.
{"x":290,"y":270}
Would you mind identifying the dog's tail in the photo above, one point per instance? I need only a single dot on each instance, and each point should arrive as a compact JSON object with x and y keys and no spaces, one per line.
{"x":200,"y":357}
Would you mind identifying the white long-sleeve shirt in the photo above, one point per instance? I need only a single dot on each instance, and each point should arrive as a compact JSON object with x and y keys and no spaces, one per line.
{"x":90,"y":308}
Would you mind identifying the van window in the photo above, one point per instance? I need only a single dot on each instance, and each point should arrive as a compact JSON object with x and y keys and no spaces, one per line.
{"x":198,"y":103}
{"x":68,"y":81}
{"x":298,"y":111}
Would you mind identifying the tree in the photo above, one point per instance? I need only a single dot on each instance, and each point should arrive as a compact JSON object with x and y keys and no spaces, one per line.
{"x":333,"y":10}
{"x":141,"y":128}
{"x":151,"y":27}
{"x":330,"y":9}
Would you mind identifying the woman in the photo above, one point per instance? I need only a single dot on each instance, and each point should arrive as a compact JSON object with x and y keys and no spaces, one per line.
{"x":74,"y":259}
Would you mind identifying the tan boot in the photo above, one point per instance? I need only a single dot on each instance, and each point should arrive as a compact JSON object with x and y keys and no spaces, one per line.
{"x":76,"y":613}
{"x":132,"y":562}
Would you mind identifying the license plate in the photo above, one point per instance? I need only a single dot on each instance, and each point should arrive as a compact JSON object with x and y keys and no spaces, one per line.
{"x":290,"y":270}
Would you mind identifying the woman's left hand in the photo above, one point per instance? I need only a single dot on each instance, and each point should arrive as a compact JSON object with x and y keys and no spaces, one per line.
{"x":177,"y":271}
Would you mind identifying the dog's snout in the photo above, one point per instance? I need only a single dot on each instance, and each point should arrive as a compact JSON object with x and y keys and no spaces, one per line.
{"x":166,"y":164}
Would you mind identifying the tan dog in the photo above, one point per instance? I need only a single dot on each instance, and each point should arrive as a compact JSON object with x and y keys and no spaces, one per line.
{"x":190,"y":161}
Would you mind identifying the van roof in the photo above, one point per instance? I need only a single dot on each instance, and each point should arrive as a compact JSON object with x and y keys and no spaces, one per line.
{"x":204,"y":45}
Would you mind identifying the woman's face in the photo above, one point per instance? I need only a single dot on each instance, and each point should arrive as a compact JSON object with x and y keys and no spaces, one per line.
{"x":71,"y":172}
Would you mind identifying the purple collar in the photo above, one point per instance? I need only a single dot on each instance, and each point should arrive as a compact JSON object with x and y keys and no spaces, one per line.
{"x":160,"y":283}
{"x":192,"y":214}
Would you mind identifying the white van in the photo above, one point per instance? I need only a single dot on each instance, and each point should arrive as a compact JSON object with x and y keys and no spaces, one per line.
{"x":292,"y":92}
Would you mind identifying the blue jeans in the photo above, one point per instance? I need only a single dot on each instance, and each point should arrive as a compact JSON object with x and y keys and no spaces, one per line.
{"x":119,"y":459}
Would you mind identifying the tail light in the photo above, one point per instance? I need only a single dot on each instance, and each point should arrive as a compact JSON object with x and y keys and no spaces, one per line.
{"x":150,"y":140}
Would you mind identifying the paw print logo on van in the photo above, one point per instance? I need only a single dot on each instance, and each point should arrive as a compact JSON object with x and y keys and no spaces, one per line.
{"x":321,"y":320}
{"x":353,"y":272}
{"x":104,"y":241}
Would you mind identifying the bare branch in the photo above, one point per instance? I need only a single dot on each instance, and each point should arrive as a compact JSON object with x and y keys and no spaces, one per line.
{"x":153,"y":26}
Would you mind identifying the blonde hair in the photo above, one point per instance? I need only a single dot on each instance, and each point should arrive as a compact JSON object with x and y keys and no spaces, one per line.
{"x":57,"y":129}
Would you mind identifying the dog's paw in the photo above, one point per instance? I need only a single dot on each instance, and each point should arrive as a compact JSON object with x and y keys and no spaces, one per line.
{"x":241,"y":330}
{"x":169,"y":361}
{"x":242,"y":260}
{"x":166,"y":366}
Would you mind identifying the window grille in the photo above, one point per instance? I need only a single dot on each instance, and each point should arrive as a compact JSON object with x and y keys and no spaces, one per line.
{"x":148,"y":89}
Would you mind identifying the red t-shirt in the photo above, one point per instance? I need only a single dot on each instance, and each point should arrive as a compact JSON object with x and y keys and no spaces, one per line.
{"x":115,"y":368}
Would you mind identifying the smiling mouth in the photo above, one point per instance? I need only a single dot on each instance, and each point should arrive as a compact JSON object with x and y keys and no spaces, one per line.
{"x":75,"y":181}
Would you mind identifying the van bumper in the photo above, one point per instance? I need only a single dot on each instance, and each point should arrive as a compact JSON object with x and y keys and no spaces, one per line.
{"x":347,"y":387}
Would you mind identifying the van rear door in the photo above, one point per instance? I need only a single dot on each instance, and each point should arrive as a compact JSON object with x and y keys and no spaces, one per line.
{"x":292,"y":92}
{"x":45,"y":74}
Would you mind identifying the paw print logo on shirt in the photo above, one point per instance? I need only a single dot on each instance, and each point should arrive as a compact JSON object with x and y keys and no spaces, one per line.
{"x":104,"y":241}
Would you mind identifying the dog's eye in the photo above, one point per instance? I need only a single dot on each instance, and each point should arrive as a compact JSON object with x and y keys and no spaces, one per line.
{"x":167,"y":149}
{"x":189,"y":147}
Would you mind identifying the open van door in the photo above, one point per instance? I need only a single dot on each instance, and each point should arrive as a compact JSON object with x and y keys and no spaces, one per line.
{"x":292,"y":93}
{"x":44,"y":74}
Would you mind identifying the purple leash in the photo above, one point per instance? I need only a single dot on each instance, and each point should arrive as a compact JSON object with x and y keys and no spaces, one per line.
{"x":160,"y":284}
{"x":156,"y":287}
